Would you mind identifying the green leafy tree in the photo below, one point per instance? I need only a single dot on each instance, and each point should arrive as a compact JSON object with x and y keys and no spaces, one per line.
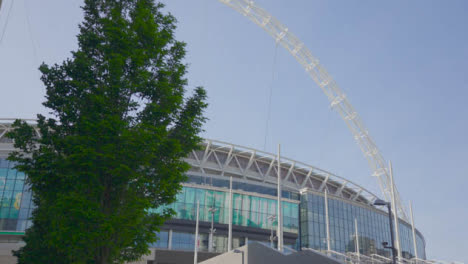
{"x":114,"y":145}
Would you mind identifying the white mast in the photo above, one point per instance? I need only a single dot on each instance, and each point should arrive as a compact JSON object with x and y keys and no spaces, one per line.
{"x":395,"y":212}
{"x":327,"y":222}
{"x":414,"y":231}
{"x":280,"y":213}
{"x":357,"y":238}
{"x":195,"y":253}
{"x":230,"y":216}
{"x":212,"y":210}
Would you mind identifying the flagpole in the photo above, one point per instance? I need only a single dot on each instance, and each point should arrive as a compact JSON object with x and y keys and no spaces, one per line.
{"x":230,"y":216}
{"x":413,"y":231}
{"x":280,"y":211}
{"x":357,"y":239}
{"x":195,"y":254}
{"x":397,"y":245}
{"x":327,"y":222}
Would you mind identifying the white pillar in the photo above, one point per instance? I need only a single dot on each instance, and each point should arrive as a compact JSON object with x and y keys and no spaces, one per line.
{"x":169,"y":240}
{"x":414,"y":231}
{"x":195,"y":252}
{"x":230,"y":216}
{"x":271,"y":219}
{"x":246,"y":253}
{"x":210,"y":242}
{"x":395,"y":212}
{"x":212,"y":211}
{"x":327,"y":221}
{"x":357,"y":238}
{"x":279,"y":233}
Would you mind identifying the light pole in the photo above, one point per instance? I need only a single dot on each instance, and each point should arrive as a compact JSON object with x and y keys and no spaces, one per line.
{"x":380,"y":202}
{"x":272,"y":218}
{"x":195,"y":253}
{"x":279,"y":219}
{"x":212,"y":210}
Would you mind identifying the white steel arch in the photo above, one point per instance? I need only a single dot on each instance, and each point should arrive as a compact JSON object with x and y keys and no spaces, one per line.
{"x":335,"y":95}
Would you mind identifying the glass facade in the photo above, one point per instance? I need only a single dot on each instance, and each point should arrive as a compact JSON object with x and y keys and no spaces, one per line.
{"x":373,"y":228}
{"x":186,"y":242}
{"x":247,"y":210}
{"x":163,"y":240}
{"x":242,"y":186}
{"x":15,"y":203}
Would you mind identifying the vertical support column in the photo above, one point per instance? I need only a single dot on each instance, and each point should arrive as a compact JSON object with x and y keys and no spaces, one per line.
{"x":246,"y":253}
{"x":357,"y":239}
{"x":169,"y":240}
{"x":271,"y":219}
{"x":327,"y":221}
{"x":212,"y":210}
{"x":272,"y":244}
{"x":195,"y":253}
{"x":395,"y":212}
{"x":300,"y":223}
{"x":230,"y":216}
{"x":414,"y":231}
{"x":390,"y":221}
{"x":280,"y":210}
{"x":210,"y":242}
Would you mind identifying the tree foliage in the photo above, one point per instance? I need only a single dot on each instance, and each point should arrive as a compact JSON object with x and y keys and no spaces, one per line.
{"x":112,"y":149}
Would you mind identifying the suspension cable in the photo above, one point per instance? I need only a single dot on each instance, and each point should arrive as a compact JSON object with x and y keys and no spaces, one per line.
{"x":273,"y":70}
{"x":31,"y":37}
{"x":6,"y":22}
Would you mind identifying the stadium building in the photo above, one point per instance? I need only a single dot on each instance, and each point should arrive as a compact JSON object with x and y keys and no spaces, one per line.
{"x":308,"y":196}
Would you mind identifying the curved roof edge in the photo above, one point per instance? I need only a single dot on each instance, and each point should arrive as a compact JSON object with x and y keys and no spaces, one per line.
{"x":227,"y":159}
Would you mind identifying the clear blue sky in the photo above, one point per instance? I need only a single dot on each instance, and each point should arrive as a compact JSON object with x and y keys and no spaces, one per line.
{"x":403,"y":65}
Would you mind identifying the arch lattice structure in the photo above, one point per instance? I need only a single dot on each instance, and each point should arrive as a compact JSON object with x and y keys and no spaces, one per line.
{"x":335,"y":95}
